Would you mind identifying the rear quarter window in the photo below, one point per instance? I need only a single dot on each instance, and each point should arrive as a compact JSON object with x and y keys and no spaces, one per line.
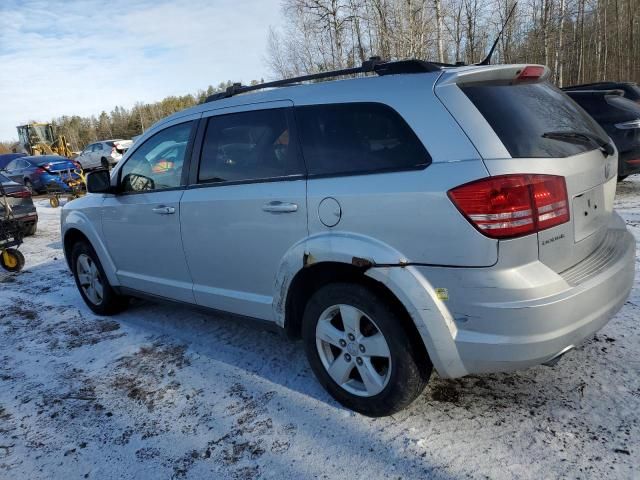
{"x":350,"y":138}
{"x":521,"y":114}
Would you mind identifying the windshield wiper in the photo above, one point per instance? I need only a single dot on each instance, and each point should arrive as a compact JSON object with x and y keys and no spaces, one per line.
{"x":583,"y":137}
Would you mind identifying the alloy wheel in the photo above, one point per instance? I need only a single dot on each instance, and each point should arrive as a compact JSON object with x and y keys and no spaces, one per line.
{"x":353,"y":350}
{"x":90,"y":279}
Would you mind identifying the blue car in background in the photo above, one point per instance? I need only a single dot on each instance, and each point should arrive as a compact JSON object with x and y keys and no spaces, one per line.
{"x":5,"y":158}
{"x":42,"y":172}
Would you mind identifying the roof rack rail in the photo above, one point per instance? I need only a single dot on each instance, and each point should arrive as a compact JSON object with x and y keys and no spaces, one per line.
{"x":372,"y":65}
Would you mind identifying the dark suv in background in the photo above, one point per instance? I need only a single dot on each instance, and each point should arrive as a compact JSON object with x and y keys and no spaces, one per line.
{"x":631,"y":90}
{"x":617,"y":110}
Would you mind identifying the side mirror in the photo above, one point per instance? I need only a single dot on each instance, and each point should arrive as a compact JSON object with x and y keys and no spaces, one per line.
{"x":99,"y":182}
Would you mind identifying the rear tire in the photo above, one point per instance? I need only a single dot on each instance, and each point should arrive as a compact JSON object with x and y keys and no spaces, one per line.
{"x":92,"y":282}
{"x":622,"y":177}
{"x":398,"y":372}
{"x":31,"y":230}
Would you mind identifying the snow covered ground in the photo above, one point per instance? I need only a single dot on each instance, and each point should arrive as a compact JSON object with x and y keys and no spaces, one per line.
{"x":163,"y":391}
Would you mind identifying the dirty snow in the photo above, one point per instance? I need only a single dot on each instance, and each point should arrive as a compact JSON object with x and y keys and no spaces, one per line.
{"x":168,"y":392}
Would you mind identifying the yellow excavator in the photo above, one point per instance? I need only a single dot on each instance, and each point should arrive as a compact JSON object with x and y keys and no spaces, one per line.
{"x":38,"y":139}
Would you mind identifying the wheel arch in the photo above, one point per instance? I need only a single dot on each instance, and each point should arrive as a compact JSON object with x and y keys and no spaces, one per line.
{"x":342,"y":257}
{"x":335,"y":257}
{"x":76,"y":227}
{"x":308,"y":280}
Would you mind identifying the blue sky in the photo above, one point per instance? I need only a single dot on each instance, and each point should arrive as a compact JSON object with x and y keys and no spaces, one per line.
{"x":82,"y":57}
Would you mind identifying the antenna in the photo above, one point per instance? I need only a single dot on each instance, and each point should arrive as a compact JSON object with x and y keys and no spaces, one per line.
{"x":487,"y":59}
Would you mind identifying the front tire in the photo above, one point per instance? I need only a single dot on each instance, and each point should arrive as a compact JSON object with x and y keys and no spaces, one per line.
{"x":92,"y":282}
{"x":360,"y":351}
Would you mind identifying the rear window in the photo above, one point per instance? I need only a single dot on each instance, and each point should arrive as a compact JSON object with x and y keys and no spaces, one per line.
{"x":521,"y":114}
{"x":351,"y":138}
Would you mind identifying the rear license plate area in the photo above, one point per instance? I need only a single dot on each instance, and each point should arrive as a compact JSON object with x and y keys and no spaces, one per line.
{"x":589,"y":212}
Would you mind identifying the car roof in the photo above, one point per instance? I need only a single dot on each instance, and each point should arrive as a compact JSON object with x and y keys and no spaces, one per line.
{"x":39,"y":159}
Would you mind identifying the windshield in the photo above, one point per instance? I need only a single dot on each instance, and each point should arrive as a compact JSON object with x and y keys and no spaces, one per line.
{"x":522,"y":114}
{"x":35,"y":134}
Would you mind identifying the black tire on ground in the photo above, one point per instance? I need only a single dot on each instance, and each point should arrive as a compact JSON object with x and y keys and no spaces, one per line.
{"x":12,"y":260}
{"x":622,"y":177}
{"x":104,"y":163}
{"x":112,"y":303}
{"x":32,"y":229}
{"x":410,"y":370}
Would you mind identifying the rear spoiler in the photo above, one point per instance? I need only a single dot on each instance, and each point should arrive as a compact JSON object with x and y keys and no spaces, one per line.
{"x":518,"y":73}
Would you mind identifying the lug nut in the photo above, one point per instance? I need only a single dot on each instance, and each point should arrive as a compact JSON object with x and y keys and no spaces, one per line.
{"x":347,"y":357}
{"x":351,"y":337}
{"x":342,"y":343}
{"x":359,"y":361}
{"x":362,"y":348}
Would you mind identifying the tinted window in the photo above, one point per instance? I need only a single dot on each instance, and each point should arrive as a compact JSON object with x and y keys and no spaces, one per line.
{"x":521,"y":114}
{"x":357,"y":137}
{"x":157,"y":163}
{"x":249,"y":146}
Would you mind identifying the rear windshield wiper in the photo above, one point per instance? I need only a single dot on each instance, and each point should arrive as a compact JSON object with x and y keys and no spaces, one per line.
{"x":583,"y":137}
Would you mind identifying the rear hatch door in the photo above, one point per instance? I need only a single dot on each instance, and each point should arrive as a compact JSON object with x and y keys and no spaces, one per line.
{"x":529,"y":126}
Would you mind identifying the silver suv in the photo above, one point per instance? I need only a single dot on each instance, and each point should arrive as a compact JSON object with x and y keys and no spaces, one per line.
{"x":103,"y":154}
{"x":456,"y":219}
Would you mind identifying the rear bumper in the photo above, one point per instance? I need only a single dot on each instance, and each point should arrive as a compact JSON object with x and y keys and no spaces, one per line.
{"x":507,"y":318}
{"x":543,"y":327}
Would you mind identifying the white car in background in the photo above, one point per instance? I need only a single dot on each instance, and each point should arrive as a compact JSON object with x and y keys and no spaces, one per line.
{"x":103,"y":154}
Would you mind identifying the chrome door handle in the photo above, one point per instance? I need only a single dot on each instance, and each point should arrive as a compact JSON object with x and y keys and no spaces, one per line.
{"x":280,"y":207}
{"x":164,"y":210}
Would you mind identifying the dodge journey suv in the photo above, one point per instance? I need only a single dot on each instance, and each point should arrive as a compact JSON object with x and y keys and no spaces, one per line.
{"x":420,"y":217}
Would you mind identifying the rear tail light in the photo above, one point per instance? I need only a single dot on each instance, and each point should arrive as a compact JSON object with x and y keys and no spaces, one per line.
{"x":41,"y":170}
{"x":530,"y":73}
{"x":113,"y":150}
{"x":513,"y":205}
{"x":20,"y":194}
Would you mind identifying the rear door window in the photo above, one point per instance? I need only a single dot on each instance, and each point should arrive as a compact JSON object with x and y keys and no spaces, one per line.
{"x":350,"y":138}
{"x":521,"y":114}
{"x":249,"y":146}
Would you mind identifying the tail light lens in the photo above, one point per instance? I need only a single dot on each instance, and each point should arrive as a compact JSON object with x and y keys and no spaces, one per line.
{"x":513,"y":205}
{"x":20,"y":194}
{"x":530,"y":73}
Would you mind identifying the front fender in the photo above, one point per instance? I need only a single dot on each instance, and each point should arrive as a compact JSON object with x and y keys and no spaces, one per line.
{"x":89,"y":226}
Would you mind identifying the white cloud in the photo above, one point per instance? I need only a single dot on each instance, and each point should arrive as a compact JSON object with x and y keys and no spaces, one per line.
{"x":63,"y":58}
